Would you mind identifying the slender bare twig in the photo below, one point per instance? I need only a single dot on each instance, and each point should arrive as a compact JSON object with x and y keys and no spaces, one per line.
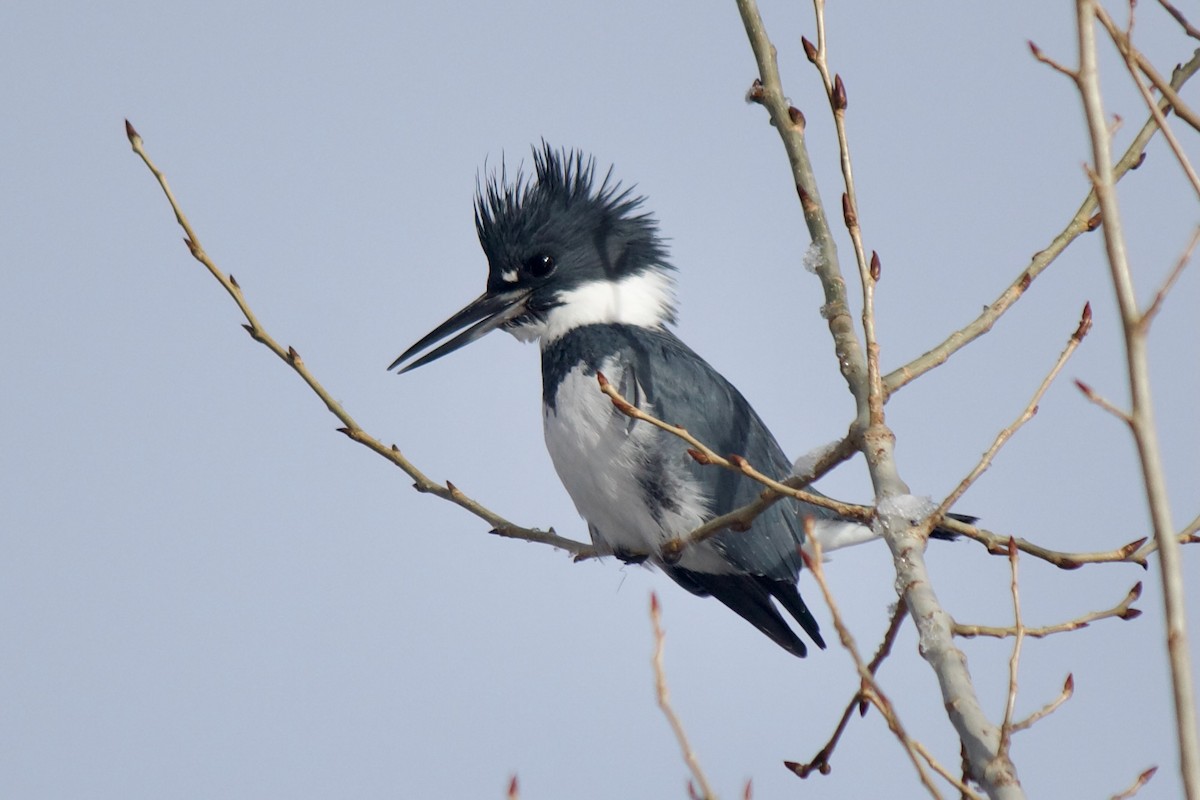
{"x":1134,"y":552}
{"x":350,"y":427}
{"x":664,"y":702}
{"x":1100,"y":400}
{"x":870,"y":689}
{"x":1161,"y":295}
{"x":1015,"y":659}
{"x":1138,"y":783}
{"x":1067,"y":691}
{"x":1135,"y":61}
{"x":1083,"y":221}
{"x":1182,"y":20}
{"x":820,"y":762}
{"x":1002,"y":438}
{"x":1122,"y":610}
{"x":704,"y":454}
{"x":789,"y":124}
{"x":1141,"y":412}
{"x":835,"y":91}
{"x":1138,"y":61}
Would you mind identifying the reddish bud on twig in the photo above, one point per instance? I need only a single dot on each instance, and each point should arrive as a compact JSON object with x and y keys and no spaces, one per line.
{"x":292,"y":355}
{"x":233,"y":281}
{"x":1069,"y":685}
{"x":130,"y":133}
{"x":603,"y":381}
{"x":1132,"y":548}
{"x":748,"y":792}
{"x":1033,"y":48}
{"x":1094,"y":221}
{"x":876,"y":267}
{"x":1141,"y":160}
{"x":810,"y":49}
{"x":346,"y":431}
{"x":699,"y":457}
{"x":248,"y":329}
{"x":513,"y":789}
{"x":839,"y":94}
{"x":654,"y":607}
{"x":1085,"y":323}
{"x":755,"y":93}
{"x":1087,"y":390}
{"x":848,"y":213}
{"x":692,"y":793}
{"x":797,"y":117}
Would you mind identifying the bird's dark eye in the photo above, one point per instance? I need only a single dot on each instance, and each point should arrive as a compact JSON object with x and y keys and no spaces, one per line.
{"x":539,"y":266}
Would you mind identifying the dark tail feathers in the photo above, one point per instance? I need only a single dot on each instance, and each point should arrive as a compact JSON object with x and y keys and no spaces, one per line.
{"x":750,"y":596}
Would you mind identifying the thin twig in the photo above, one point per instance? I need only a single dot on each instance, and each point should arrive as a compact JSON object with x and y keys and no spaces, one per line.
{"x":1182,"y":20}
{"x":1141,"y":412}
{"x":835,"y":91}
{"x":1084,"y":220}
{"x":1134,"y":552}
{"x":1138,"y":61}
{"x":1014,"y":660}
{"x":820,"y":762}
{"x":704,"y":454}
{"x":1002,"y":438}
{"x":1067,"y":691}
{"x":1135,"y":61}
{"x":1161,"y":295}
{"x":350,"y":427}
{"x":870,"y":688}
{"x":740,"y":519}
{"x":1138,"y":783}
{"x":1123,"y":610}
{"x":664,"y":701}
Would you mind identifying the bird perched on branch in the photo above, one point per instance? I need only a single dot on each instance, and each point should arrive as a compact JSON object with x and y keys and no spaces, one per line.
{"x":576,"y":265}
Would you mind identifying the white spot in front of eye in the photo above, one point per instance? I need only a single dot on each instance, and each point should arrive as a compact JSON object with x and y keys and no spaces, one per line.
{"x":509,"y":277}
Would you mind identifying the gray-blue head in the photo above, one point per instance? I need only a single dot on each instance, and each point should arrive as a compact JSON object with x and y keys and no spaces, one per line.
{"x":562,"y":252}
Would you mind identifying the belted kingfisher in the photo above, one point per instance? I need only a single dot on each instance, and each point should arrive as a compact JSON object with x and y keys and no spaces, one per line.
{"x":574,"y":264}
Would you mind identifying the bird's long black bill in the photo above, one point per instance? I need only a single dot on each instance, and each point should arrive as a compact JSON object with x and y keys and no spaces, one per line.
{"x":484,"y":314}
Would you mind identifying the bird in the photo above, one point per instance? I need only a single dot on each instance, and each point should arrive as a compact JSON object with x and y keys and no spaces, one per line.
{"x":576,"y":264}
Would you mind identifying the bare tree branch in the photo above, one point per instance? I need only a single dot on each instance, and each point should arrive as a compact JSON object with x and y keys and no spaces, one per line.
{"x":820,"y":762}
{"x":870,"y":689}
{"x":1085,"y":324}
{"x":1141,"y":781}
{"x":350,"y":427}
{"x":1015,"y":659}
{"x":1141,"y":406}
{"x":1135,"y":61}
{"x":1183,"y":23}
{"x":1122,"y":610}
{"x":1067,"y":691}
{"x":664,"y":702}
{"x":1084,"y":220}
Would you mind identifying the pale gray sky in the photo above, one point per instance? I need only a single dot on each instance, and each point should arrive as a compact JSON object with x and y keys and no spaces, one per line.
{"x":205,"y":591}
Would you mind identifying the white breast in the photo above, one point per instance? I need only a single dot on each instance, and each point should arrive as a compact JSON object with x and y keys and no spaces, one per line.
{"x":600,"y":453}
